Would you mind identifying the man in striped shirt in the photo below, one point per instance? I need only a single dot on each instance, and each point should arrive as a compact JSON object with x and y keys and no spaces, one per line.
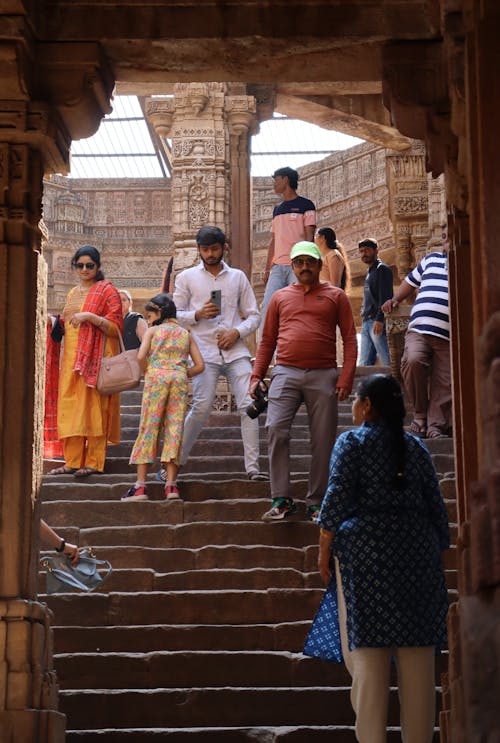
{"x":425,"y":365}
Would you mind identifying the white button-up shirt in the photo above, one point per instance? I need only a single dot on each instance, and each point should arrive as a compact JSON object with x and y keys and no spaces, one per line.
{"x":238,"y":309}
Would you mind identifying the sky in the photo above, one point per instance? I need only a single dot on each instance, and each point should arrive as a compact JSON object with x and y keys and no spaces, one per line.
{"x":122,"y":147}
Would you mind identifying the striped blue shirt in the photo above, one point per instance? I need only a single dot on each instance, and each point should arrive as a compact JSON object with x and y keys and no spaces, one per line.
{"x":430,"y":312}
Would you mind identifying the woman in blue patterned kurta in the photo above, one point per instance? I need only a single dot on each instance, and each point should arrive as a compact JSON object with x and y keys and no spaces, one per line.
{"x":385,"y":518}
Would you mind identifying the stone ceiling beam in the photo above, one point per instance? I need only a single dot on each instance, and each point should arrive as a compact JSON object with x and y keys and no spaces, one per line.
{"x":294,"y":60}
{"x":340,"y":87}
{"x":342,"y":121}
{"x":211,"y":19}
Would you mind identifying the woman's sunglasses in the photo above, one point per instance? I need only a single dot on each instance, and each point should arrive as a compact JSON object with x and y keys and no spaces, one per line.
{"x":81,"y":266}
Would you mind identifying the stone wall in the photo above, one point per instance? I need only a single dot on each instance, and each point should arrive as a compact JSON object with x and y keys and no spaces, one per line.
{"x":128,"y":220}
{"x":356,"y":191}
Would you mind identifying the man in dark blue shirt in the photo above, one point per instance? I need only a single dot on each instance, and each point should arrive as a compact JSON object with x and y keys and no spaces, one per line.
{"x":377,"y":290}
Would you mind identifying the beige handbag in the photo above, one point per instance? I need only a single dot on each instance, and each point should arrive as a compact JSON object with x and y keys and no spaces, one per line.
{"x":118,"y":373}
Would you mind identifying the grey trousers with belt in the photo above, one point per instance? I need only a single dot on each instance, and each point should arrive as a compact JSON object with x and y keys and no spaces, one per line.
{"x":290,"y":386}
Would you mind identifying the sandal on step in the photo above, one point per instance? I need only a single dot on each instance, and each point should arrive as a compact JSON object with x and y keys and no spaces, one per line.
{"x":258,"y":476}
{"x":435,"y":434}
{"x":62,"y":470}
{"x":86,"y":472}
{"x":417,"y":429}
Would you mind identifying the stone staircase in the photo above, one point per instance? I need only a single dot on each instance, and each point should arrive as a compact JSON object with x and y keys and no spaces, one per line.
{"x":199,"y":634}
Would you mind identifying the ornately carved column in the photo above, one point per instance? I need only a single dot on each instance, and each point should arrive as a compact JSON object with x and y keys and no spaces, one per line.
{"x":241,"y":111}
{"x":34,"y":140}
{"x":210,"y":168}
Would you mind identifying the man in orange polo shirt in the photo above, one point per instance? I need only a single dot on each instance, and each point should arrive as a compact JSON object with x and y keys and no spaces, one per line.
{"x":301,"y":324}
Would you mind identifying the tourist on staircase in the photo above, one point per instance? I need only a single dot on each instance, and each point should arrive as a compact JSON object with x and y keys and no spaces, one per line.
{"x":134,"y":325}
{"x":86,"y":420}
{"x":384,"y":527}
{"x":294,"y":219}
{"x":301,"y":324}
{"x":335,"y":263}
{"x":426,"y":365}
{"x":164,"y":353}
{"x":218,"y":304}
{"x":378,"y":288}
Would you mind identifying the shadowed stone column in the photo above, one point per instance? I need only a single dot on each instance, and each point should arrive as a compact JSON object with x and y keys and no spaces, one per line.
{"x":34,"y":140}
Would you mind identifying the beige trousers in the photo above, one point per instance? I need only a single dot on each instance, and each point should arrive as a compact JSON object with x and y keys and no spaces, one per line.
{"x":370,"y":671}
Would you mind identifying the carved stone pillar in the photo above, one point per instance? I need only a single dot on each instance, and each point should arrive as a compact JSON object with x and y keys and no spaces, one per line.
{"x":408,"y":205}
{"x":241,"y":117}
{"x":28,"y":698}
{"x":209,"y":129}
{"x":34,"y":140}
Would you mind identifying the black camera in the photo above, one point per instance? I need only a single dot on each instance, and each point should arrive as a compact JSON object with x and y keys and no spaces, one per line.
{"x":260,"y":403}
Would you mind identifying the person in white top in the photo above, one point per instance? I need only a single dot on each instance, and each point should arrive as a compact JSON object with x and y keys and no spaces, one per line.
{"x":217,"y":303}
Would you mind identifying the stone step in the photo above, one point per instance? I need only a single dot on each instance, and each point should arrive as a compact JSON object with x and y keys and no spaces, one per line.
{"x":285,"y":636}
{"x":219,"y":463}
{"x":94,"y":513}
{"x":140,"y":580}
{"x":229,"y":557}
{"x":205,"y":668}
{"x":193,"y":706}
{"x":201,"y":668}
{"x":177,"y":534}
{"x":233,"y":445}
{"x":186,"y":607}
{"x":284,"y":734}
{"x":112,"y":487}
{"x":130,"y":419}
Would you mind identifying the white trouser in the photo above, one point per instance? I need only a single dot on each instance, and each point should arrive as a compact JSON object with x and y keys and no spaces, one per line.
{"x":370,"y":670}
{"x":238,"y":373}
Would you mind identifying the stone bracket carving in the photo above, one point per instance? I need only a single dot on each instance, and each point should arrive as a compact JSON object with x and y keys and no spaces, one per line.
{"x":79,"y":81}
{"x":415,"y":91}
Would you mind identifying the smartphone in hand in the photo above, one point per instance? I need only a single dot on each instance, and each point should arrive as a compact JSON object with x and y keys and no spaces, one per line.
{"x":216,"y":298}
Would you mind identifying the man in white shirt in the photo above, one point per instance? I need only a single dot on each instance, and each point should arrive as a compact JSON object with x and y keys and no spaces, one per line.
{"x":218,"y":331}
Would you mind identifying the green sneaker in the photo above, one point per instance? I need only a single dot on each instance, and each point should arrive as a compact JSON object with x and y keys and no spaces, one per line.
{"x":313,"y":513}
{"x":280,"y":509}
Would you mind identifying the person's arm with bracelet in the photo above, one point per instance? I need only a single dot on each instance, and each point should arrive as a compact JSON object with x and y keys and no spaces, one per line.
{"x":108,"y":327}
{"x":50,"y":539}
{"x":404,"y":291}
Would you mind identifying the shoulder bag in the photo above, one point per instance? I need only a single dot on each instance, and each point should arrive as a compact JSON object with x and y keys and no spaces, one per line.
{"x":87,"y":575}
{"x":118,"y":373}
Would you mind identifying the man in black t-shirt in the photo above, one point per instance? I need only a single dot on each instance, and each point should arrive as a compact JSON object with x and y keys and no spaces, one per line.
{"x":378,"y":289}
{"x":134,"y":325}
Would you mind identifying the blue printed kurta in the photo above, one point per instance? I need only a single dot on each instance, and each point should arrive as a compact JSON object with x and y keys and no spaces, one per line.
{"x":389,"y":545}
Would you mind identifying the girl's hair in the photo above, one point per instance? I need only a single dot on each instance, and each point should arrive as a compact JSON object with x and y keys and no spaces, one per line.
{"x":328,"y":233}
{"x":164,"y":304}
{"x":93,"y":253}
{"x":386,"y":399}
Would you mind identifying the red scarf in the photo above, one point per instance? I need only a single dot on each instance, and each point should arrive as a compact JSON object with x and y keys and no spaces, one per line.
{"x":52,"y":446}
{"x":103,"y":300}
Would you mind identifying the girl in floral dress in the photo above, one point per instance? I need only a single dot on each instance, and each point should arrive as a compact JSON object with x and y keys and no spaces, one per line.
{"x":164,"y":354}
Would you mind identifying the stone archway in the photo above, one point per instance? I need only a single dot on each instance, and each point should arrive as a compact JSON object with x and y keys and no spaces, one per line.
{"x":438,"y":64}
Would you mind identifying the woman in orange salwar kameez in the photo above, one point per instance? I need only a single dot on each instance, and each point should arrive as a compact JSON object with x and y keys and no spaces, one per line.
{"x":86,"y":420}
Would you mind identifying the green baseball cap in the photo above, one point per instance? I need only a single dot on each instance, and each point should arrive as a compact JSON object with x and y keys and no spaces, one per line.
{"x":305,"y":248}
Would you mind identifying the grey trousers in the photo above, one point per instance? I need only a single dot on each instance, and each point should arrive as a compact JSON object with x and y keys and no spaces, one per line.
{"x":290,"y":386}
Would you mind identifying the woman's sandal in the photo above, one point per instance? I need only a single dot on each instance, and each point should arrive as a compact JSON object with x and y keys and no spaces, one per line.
{"x":434,"y":434}
{"x":417,"y":429}
{"x":62,"y":470}
{"x":86,"y":472}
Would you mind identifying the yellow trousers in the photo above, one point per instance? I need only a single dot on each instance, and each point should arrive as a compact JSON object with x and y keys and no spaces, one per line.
{"x":85,"y":451}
